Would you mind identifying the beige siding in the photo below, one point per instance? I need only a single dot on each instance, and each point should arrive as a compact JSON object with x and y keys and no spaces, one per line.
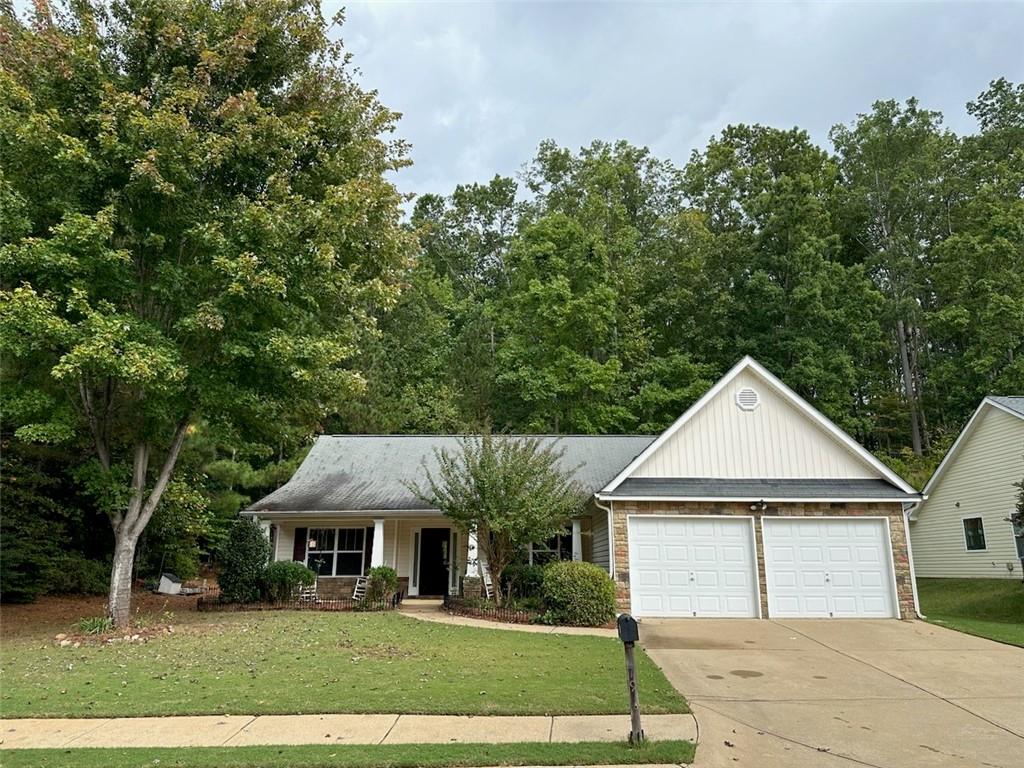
{"x":980,"y":478}
{"x":775,"y":440}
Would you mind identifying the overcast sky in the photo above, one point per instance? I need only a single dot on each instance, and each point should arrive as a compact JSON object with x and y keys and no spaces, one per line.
{"x":480,"y":85}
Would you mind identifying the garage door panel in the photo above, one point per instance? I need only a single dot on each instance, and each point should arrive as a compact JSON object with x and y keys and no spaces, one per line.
{"x":705,"y":567}
{"x":841,"y":568}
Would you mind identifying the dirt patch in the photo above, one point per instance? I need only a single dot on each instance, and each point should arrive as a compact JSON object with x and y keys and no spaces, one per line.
{"x":51,"y":615}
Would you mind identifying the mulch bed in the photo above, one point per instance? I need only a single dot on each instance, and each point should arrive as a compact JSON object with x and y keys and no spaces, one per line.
{"x":460,"y":607}
{"x":52,"y":614}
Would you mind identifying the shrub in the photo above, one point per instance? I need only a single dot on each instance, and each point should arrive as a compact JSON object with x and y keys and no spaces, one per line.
{"x":243,"y":562}
{"x":522,"y":580}
{"x":75,"y":574}
{"x":284,"y":578}
{"x":94,"y":625}
{"x":381,"y":584}
{"x":578,"y":594}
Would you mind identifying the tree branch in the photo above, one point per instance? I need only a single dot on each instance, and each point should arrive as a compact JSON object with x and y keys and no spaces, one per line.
{"x":165,"y":475}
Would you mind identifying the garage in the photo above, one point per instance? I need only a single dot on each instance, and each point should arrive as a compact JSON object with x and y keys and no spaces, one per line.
{"x":828,"y":568}
{"x":692,"y":566}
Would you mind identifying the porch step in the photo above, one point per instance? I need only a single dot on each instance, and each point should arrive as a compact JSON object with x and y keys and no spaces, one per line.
{"x":415,"y":604}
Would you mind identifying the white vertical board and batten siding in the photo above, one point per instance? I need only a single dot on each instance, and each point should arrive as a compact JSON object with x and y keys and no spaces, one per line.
{"x":774,"y":441}
{"x":980,"y":477}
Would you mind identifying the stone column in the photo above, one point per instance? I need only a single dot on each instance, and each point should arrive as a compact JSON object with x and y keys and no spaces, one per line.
{"x":377,"y":554}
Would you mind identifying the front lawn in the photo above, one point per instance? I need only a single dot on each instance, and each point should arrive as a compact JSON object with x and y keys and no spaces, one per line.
{"x":992,"y":608}
{"x":295,"y":663}
{"x":359,"y":756}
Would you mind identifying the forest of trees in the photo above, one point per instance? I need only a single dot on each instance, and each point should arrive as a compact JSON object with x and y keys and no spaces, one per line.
{"x":205,"y":260}
{"x":603,"y":290}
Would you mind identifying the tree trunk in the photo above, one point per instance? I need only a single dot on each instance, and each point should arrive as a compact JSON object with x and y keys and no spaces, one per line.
{"x":119,"y":603}
{"x":908,"y":387}
{"x":129,"y":525}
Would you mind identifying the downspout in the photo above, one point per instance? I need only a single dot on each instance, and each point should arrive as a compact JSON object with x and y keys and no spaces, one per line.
{"x":910,"y":558}
{"x":611,"y":534}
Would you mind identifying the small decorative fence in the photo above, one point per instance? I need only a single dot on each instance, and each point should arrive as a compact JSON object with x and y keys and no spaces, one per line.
{"x":475,"y":608}
{"x":214,"y":603}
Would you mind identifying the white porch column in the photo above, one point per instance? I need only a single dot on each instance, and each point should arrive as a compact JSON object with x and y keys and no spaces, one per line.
{"x":577,"y":540}
{"x":472,"y":556}
{"x":377,"y":555}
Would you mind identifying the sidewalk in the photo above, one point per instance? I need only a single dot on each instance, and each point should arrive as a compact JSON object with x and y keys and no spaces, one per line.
{"x":430,"y":610}
{"x":239,"y":730}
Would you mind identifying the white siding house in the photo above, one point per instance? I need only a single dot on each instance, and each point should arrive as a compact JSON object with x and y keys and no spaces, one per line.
{"x":961,"y":529}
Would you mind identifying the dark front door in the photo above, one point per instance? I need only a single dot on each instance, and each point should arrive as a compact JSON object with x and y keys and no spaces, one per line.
{"x":434,"y":561}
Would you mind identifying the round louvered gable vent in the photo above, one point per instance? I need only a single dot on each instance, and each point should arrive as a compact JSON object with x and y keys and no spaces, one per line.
{"x":748,"y":399}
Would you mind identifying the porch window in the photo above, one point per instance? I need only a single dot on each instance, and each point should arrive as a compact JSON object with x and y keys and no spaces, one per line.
{"x":336,"y":551}
{"x":974,"y":533}
{"x":558,"y":547}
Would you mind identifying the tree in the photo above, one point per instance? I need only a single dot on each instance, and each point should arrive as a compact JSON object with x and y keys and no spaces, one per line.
{"x":510,"y":491}
{"x":976,"y":324}
{"x":894,"y":162}
{"x":196,"y":226}
{"x":555,"y":366}
{"x":767,"y":196}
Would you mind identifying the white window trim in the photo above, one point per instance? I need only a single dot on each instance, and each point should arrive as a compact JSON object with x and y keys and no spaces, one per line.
{"x":335,"y":551}
{"x":963,"y":530}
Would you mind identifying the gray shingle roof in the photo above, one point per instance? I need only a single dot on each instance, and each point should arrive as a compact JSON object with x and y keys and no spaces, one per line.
{"x":373,"y":472}
{"x":754,"y":489}
{"x":1014,"y":402}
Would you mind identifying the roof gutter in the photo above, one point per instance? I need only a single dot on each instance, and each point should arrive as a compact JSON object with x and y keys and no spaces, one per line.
{"x":907,"y":509}
{"x":907,"y":498}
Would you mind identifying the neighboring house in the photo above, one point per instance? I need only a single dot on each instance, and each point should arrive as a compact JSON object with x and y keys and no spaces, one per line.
{"x":751,"y":504}
{"x":962,"y":528}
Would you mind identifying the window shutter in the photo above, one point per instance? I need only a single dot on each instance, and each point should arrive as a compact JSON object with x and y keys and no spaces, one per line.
{"x":299,"y":548}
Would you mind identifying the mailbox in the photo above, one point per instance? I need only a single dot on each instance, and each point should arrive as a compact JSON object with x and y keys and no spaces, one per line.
{"x":628,"y":630}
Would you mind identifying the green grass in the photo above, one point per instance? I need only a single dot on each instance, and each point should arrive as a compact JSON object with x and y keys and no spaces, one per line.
{"x":295,"y":663}
{"x":992,"y":608}
{"x":357,"y":756}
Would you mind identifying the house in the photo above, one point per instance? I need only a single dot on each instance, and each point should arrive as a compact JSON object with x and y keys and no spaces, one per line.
{"x":962,"y":528}
{"x":752,"y":504}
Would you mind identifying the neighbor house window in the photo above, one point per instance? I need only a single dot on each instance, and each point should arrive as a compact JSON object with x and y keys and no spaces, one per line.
{"x":974,"y":533}
{"x":558,"y":547}
{"x":336,"y":551}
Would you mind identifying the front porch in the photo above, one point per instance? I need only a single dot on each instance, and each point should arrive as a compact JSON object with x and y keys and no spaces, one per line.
{"x":431,"y":556}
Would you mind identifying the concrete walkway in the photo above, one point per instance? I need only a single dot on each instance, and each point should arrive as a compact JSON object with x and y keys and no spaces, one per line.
{"x":239,"y":730}
{"x":842,"y":693}
{"x":430,"y":610}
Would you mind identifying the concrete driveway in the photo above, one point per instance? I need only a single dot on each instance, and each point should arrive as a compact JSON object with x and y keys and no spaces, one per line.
{"x":831,"y":693}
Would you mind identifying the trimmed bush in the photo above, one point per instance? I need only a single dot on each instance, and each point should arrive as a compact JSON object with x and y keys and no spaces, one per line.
{"x":243,"y":562}
{"x":381,"y":584}
{"x":523,"y":581}
{"x":578,"y":594}
{"x":284,"y":578}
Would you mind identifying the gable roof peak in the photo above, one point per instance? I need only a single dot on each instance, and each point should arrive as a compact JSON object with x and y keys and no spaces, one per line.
{"x":747,"y":362}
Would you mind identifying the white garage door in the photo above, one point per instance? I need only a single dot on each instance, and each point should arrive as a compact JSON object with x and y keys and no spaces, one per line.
{"x":687,"y":566}
{"x":828,"y":567}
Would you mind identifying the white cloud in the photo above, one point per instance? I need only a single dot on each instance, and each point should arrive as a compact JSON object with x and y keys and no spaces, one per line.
{"x":480,"y":85}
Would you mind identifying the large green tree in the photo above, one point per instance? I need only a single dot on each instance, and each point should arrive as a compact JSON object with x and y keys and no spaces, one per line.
{"x":196,"y":224}
{"x":895,"y":200}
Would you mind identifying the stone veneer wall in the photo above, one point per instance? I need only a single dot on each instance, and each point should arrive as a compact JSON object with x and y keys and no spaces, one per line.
{"x":894,"y":511}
